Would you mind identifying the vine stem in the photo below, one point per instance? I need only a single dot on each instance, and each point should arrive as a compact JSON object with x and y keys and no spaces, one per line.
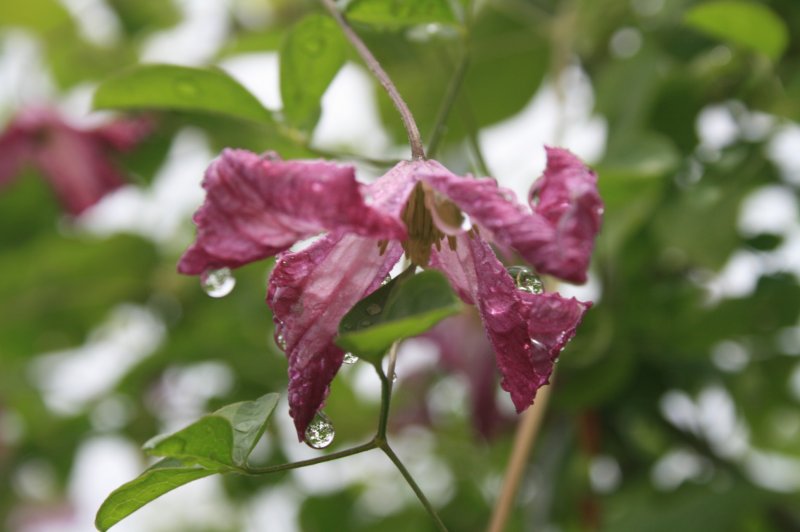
{"x":304,"y":463}
{"x":411,"y":482}
{"x":414,"y":138}
{"x":523,"y":442}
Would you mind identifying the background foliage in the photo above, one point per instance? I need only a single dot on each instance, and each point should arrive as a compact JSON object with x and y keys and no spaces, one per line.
{"x":676,"y":406}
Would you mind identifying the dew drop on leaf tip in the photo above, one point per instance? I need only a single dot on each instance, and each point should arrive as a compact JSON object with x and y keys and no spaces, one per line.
{"x":218,"y":283}
{"x":320,"y":432}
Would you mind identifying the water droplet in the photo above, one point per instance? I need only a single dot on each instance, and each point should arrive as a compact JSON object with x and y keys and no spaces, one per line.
{"x":526,"y":280}
{"x":364,"y":324}
{"x":538,"y":345}
{"x":466,"y":222}
{"x":386,"y":280}
{"x":186,"y":87}
{"x":281,"y":341}
{"x":374,"y":309}
{"x":218,"y":283}
{"x":394,"y":377}
{"x":320,"y":432}
{"x":350,"y":358}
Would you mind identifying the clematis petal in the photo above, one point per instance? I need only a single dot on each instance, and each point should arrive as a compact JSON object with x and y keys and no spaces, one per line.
{"x":495,"y":209}
{"x":566,"y":195}
{"x":76,"y":162}
{"x":525,"y":337}
{"x":309,"y":293}
{"x":258,"y":206}
{"x":557,"y":237}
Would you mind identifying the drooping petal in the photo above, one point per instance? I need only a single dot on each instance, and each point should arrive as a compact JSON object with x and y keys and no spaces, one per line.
{"x":566,"y":195}
{"x":78,"y":167}
{"x":464,"y":349}
{"x":557,"y":237}
{"x":309,"y":293}
{"x":494,"y":209}
{"x":77,"y":162}
{"x":526,"y":330}
{"x":258,"y":206}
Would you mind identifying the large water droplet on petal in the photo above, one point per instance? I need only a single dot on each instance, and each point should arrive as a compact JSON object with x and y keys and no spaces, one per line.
{"x":218,"y":283}
{"x":320,"y":431}
{"x":526,"y":280}
{"x":538,"y":345}
{"x":373,"y":309}
{"x":281,"y":341}
{"x":349,"y":358}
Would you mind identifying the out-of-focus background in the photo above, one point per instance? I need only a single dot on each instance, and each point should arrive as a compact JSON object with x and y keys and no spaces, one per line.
{"x":676,"y":407}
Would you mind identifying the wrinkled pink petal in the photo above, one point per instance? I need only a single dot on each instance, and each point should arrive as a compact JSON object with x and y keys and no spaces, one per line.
{"x":566,"y":195}
{"x":557,"y":237}
{"x":526,"y":339}
{"x":257,"y":206}
{"x":310,"y":292}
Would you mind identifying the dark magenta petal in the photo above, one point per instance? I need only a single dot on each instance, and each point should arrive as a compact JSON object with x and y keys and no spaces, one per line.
{"x":464,"y":349}
{"x":557,"y":237}
{"x":566,"y":195}
{"x":258,"y":206}
{"x":526,"y":339}
{"x":76,"y":162}
{"x":309,"y":293}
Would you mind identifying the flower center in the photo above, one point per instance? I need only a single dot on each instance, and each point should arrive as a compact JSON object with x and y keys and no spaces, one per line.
{"x":422,"y":231}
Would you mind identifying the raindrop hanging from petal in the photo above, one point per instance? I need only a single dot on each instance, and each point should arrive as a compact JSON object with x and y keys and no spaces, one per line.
{"x":218,"y":283}
{"x":349,"y":358}
{"x":525,"y":279}
{"x":320,"y":432}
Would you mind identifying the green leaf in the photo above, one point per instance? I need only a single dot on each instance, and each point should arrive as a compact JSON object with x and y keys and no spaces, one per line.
{"x":220,"y":441}
{"x":311,"y":55}
{"x":398,"y":13}
{"x":216,"y":443}
{"x":163,"y":477}
{"x":405,"y":307}
{"x":180,"y":88}
{"x":747,"y":24}
{"x":207,"y":442}
{"x":248,"y":419}
{"x":38,"y":15}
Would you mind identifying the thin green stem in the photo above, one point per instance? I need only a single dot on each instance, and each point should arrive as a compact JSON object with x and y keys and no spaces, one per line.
{"x":303,"y":463}
{"x":411,"y":482}
{"x":447,"y":103}
{"x":386,"y":392}
{"x":414,"y":138}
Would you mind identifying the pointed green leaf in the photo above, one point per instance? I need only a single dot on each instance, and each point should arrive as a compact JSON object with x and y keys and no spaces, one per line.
{"x":248,"y":419}
{"x":207,"y":442}
{"x":164,"y":476}
{"x":398,"y":13}
{"x":181,"y":88}
{"x":220,"y":441}
{"x":406,"y":307}
{"x":311,"y":55}
{"x":747,"y":24}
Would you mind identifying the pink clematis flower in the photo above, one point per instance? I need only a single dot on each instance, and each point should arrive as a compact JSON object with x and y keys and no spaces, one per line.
{"x":257,"y":207}
{"x":77,"y":162}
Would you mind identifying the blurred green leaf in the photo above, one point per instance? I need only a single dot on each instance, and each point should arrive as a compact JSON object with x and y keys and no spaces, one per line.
{"x":142,"y":15}
{"x":405,"y":307}
{"x":220,"y":441}
{"x":54,"y":289}
{"x":311,"y":55}
{"x":399,"y":13}
{"x":748,"y":24}
{"x":163,"y":477}
{"x":38,"y":15}
{"x":180,"y":88}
